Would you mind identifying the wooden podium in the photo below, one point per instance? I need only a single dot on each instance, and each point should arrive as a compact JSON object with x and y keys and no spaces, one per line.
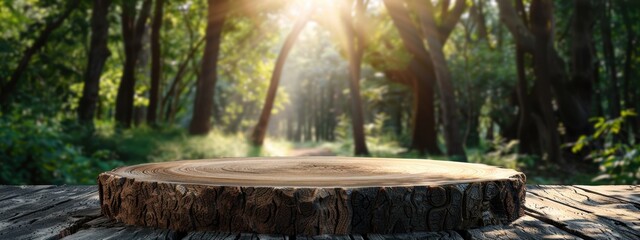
{"x":312,"y":195}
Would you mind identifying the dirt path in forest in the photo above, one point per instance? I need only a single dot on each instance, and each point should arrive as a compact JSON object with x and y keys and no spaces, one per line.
{"x":318,"y":151}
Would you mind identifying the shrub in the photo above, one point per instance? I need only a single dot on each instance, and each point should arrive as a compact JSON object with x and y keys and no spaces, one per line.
{"x":37,"y":151}
{"x":619,"y":160}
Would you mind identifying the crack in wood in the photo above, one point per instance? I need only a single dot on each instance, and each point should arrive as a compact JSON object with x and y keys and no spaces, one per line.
{"x":559,"y":225}
{"x":635,"y":204}
{"x":615,"y":221}
{"x":76,"y":226}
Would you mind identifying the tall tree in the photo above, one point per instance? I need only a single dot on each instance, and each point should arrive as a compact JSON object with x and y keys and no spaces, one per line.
{"x":98,"y":54}
{"x":422,"y":78}
{"x":172,"y":93}
{"x":631,"y":95}
{"x":132,"y":32}
{"x":609,"y":59}
{"x":436,"y":35}
{"x":552,"y":87}
{"x":582,"y":52}
{"x":478,"y":16}
{"x":537,"y":42}
{"x":203,"y":103}
{"x":260,"y":130}
{"x":156,"y":62}
{"x":7,"y":89}
{"x":355,"y":45}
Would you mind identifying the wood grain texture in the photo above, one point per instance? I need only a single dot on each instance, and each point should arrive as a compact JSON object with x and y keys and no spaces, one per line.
{"x":324,"y":237}
{"x":8,"y":192}
{"x":573,"y":216}
{"x":443,"y":235}
{"x":619,"y":217}
{"x":44,"y":210}
{"x":211,"y":236}
{"x":525,"y":227}
{"x":47,"y":211}
{"x":312,"y":195}
{"x":628,"y":193}
{"x":104,"y":228}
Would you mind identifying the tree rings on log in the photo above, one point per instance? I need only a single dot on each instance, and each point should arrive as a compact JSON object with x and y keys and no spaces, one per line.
{"x":312,"y":195}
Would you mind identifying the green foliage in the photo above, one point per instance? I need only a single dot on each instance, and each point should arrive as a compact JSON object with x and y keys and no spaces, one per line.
{"x":344,"y":135}
{"x":41,"y":143}
{"x":168,"y":143}
{"x":37,"y":151}
{"x":619,"y":160}
{"x":501,"y":152}
{"x":380,"y":141}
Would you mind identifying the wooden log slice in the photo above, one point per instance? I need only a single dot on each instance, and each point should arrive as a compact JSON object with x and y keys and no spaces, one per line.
{"x":312,"y":195}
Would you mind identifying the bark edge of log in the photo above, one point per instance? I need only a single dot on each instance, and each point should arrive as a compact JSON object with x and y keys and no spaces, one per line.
{"x":311,"y":211}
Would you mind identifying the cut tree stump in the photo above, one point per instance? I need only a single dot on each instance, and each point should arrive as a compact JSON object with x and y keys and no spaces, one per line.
{"x":312,"y":195}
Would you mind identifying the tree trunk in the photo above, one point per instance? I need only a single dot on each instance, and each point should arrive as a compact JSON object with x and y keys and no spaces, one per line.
{"x":98,"y":54}
{"x":525,"y":125}
{"x":628,"y":61}
{"x":472,"y":135}
{"x":182,"y":70}
{"x":541,"y":19}
{"x":132,"y":31}
{"x":312,"y":195}
{"x":609,"y":59}
{"x":443,"y":78}
{"x":355,"y":51}
{"x":300,"y":122}
{"x":630,"y":90}
{"x":596,"y":83}
{"x":7,"y":90}
{"x":490,"y":130}
{"x":582,"y":63}
{"x":552,"y":83}
{"x":203,"y":103}
{"x":424,"y":134}
{"x":260,"y":130}
{"x":479,"y":18}
{"x":156,"y":63}
{"x":524,"y":114}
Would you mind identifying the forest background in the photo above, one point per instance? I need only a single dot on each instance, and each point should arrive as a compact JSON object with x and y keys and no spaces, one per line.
{"x":547,"y":87}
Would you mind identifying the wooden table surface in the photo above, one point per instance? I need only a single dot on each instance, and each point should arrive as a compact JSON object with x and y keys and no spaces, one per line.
{"x":552,"y":212}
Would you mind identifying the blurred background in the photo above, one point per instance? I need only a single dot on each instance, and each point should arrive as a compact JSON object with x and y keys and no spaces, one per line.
{"x":545,"y":87}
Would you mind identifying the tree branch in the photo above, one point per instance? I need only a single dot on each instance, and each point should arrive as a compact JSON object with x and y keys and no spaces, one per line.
{"x":451,"y":19}
{"x":508,"y":15}
{"x":7,"y":89}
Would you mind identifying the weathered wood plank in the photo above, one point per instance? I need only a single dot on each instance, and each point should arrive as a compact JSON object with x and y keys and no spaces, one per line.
{"x":525,"y":227}
{"x":356,"y":237}
{"x":560,"y":212}
{"x":45,"y":213}
{"x":8,"y":192}
{"x":324,"y":237}
{"x":211,"y":236}
{"x":37,"y":201}
{"x":121,"y":233}
{"x":247,"y":236}
{"x":442,"y":235}
{"x":255,"y":236}
{"x":103,"y":228}
{"x":620,"y":212}
{"x":271,"y":237}
{"x":584,"y":224}
{"x":629,"y":193}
